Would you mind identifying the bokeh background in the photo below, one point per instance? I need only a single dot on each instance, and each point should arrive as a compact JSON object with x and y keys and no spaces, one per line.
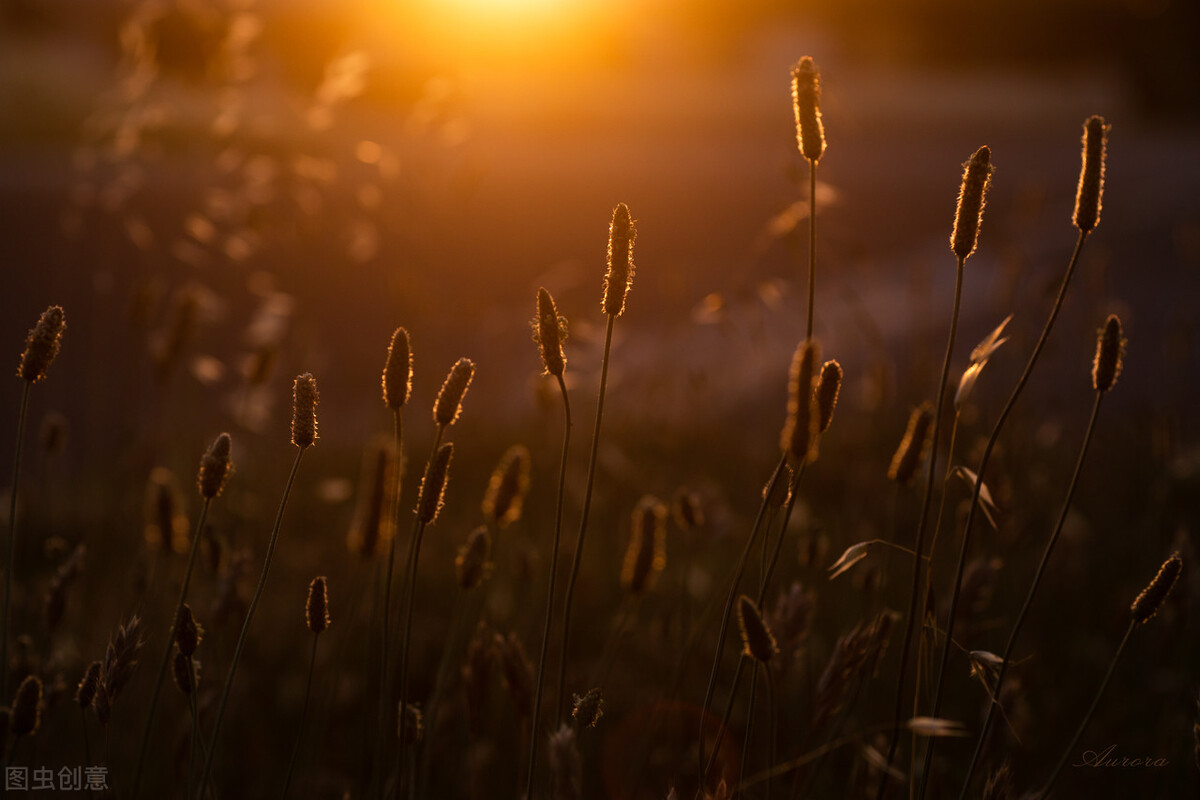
{"x":223,"y":194}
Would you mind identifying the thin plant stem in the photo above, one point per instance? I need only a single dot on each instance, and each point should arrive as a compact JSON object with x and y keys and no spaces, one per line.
{"x":812,"y":245}
{"x":410,"y":580}
{"x":914,"y":594}
{"x":558,"y":514}
{"x":385,"y":630}
{"x":583,"y":520}
{"x":241,"y":642}
{"x":980,"y":475}
{"x":729,"y":601}
{"x":748,"y":736}
{"x":312,"y":663}
{"x":1062,"y":762}
{"x":1037,"y":578}
{"x":771,"y":751}
{"x":193,"y":712}
{"x":459,"y":615}
{"x":166,"y":658}
{"x":12,"y":539}
{"x":712,"y":757}
{"x":787,"y":515}
{"x":87,"y":746}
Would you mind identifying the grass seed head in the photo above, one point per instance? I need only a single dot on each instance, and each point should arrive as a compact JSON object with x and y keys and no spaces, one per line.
{"x":42,"y":345}
{"x":588,"y":708}
{"x":410,"y":720}
{"x":27,"y":707}
{"x":757,"y":640}
{"x":397,"y":371}
{"x":183,"y":675}
{"x":972,"y":196}
{"x":449,"y":400}
{"x":316,"y":610}
{"x":799,"y":437}
{"x":646,"y":555}
{"x":1090,"y":192}
{"x":505,"y":495}
{"x":806,"y":105}
{"x":215,"y":466}
{"x":1153,"y":596}
{"x":619,"y":275}
{"x":166,"y":526}
{"x":304,"y":410}
{"x":373,"y":520}
{"x":188,"y":633}
{"x":86,"y":690}
{"x":471,"y":564}
{"x":911,"y":452}
{"x":549,"y":331}
{"x":433,"y":485}
{"x":1110,"y":348}
{"x":828,"y":386}
{"x":687,"y":510}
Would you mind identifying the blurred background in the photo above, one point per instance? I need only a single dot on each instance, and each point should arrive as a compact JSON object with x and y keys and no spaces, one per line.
{"x":225,"y":193}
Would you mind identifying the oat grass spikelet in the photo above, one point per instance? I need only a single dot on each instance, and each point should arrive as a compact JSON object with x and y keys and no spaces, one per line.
{"x":215,"y":466}
{"x":911,"y":452}
{"x":646,"y":555}
{"x":972,"y":196}
{"x":42,"y":345}
{"x":397,"y":371}
{"x":1110,"y":346}
{"x":806,"y":105}
{"x":506,"y":489}
{"x":316,"y":610}
{"x":1090,"y":192}
{"x":828,"y":386}
{"x":27,"y":707}
{"x":304,"y":410}
{"x":757,"y":640}
{"x":449,"y":400}
{"x":621,"y":235}
{"x":1153,"y":596}
{"x":433,"y":485}
{"x":550,"y":331}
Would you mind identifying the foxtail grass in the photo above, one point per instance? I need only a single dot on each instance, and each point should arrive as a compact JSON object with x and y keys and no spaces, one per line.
{"x":1106,"y":368}
{"x":810,"y":136}
{"x":304,"y":434}
{"x":972,"y":197}
{"x":316,"y":616}
{"x":1085,"y":217}
{"x":41,"y":348}
{"x":618,"y":277}
{"x":1144,"y":607}
{"x":549,"y":330}
{"x":215,"y":467}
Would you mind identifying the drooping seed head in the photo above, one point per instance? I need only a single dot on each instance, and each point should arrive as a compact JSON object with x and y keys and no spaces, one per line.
{"x":86,"y":690}
{"x":188,"y":633}
{"x":433,"y":485}
{"x":646,"y":555}
{"x":42,"y":345}
{"x":1153,"y":596}
{"x":316,"y":610}
{"x":184,"y":669}
{"x":799,"y":437}
{"x":449,"y":399}
{"x":911,"y":452}
{"x":397,"y":371}
{"x":1090,"y":191}
{"x":757,"y":640}
{"x":1110,"y":347}
{"x":550,"y":331}
{"x":471,"y":564}
{"x":806,"y":105}
{"x":828,"y":386}
{"x":304,"y":410}
{"x":972,"y":196}
{"x":505,"y":495}
{"x":27,"y":707}
{"x":619,"y":275}
{"x":215,"y":466}
{"x":588,"y":708}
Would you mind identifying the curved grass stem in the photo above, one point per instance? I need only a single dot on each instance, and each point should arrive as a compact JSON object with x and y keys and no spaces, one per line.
{"x":980,"y":477}
{"x":1033,"y":587}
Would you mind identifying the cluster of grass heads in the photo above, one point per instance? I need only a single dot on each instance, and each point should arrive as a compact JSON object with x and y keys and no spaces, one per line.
{"x":404,"y":702}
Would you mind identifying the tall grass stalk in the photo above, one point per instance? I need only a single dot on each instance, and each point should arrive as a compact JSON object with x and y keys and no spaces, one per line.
{"x":1088,"y":195}
{"x":312,"y":663}
{"x":972,"y":198}
{"x":304,"y":434}
{"x":548,"y":332}
{"x":12,"y":538}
